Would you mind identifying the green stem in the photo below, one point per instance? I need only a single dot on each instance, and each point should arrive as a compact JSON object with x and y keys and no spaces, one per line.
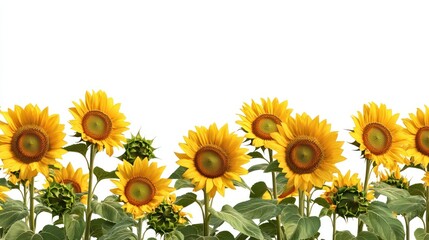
{"x":334,"y":226}
{"x":275,"y":194}
{"x":206,"y":213}
{"x":365,"y":187}
{"x":308,"y":208}
{"x":90,"y":192}
{"x":25,"y":200}
{"x":139,"y":229}
{"x":301,"y":202}
{"x":427,"y":209}
{"x":32,"y":224}
{"x":407,"y":228}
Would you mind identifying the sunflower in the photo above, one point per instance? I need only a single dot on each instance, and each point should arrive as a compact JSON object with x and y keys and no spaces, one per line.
{"x":141,"y":187}
{"x":378,"y":135}
{"x":307,"y":151}
{"x":213,"y":158}
{"x":417,"y":130}
{"x":99,"y":121}
{"x":346,"y":195}
{"x":3,"y":196}
{"x":394,"y":178}
{"x":425,"y":179}
{"x":259,"y":120}
{"x":32,"y":141}
{"x":75,"y":178}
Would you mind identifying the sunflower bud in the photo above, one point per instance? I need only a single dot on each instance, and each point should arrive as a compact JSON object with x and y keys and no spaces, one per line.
{"x":350,"y":202}
{"x":137,"y":146}
{"x":58,"y":197}
{"x":166,"y":217}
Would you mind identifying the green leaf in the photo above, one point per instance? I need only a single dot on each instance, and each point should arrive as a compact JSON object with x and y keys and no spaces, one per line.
{"x":269,"y":228}
{"x":108,"y":209}
{"x":322,"y":202}
{"x":177,"y":174}
{"x":256,"y":155}
{"x":389,"y":191}
{"x":380,"y":220}
{"x":101,"y":174}
{"x":39,"y":208}
{"x":296,"y":226}
{"x":100,"y":226}
{"x":238,"y":221}
{"x":288,"y":200}
{"x":241,"y":184}
{"x":257,"y":167}
{"x":344,"y":235}
{"x":74,"y":224}
{"x":13,"y":210}
{"x":50,"y":232}
{"x":121,"y":231}
{"x":208,"y":238}
{"x":410,"y":206}
{"x":364,"y":235}
{"x":273,"y":167}
{"x":183,"y":183}
{"x":257,"y":208}
{"x":186,"y":199}
{"x":174,"y":235}
{"x":417,"y":189}
{"x":325,"y":212}
{"x":192,"y":232}
{"x":420,"y":234}
{"x":225,"y":235}
{"x":258,"y":189}
{"x":281,"y":181}
{"x":16,"y":230}
{"x":81,"y":148}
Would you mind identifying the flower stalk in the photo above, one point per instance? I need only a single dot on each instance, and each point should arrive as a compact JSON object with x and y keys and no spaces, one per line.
{"x":206,"y":215}
{"x":365,"y":187}
{"x":93,"y":152}
{"x":31,"y":222}
{"x":275,"y":194}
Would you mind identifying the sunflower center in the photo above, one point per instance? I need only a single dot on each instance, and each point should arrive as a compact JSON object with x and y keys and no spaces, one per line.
{"x":139,"y":191}
{"x":377,"y":138}
{"x":422,"y":140}
{"x":211,"y":161}
{"x":265,"y":124}
{"x":75,"y":185}
{"x":30,"y":144}
{"x":303,"y":155}
{"x":97,"y":125}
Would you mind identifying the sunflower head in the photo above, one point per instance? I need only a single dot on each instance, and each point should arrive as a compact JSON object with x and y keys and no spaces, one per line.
{"x":141,"y":187}
{"x":213,"y":158}
{"x":32,"y":141}
{"x":307,"y":151}
{"x":378,"y":135}
{"x":59,"y":197}
{"x":137,"y":146}
{"x":260,"y":120}
{"x":75,"y":178}
{"x":97,"y":120}
{"x":167,"y":216}
{"x":346,"y":196}
{"x":394,"y":178}
{"x":417,"y":132}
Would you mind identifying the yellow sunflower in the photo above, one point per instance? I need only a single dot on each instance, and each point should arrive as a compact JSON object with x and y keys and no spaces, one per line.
{"x":259,"y":120}
{"x":75,"y":178}
{"x":141,"y":187}
{"x":379,"y":137}
{"x":307,"y":151}
{"x":99,"y":121}
{"x":213,"y":158}
{"x":394,"y":178}
{"x":3,"y":196}
{"x":32,"y":141}
{"x":417,"y":130}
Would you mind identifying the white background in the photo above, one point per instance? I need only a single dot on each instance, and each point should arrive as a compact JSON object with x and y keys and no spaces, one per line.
{"x":174,"y":65}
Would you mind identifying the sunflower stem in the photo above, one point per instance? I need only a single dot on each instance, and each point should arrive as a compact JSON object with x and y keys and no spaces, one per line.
{"x":24,"y":199}
{"x":139,"y":229}
{"x":334,"y":226}
{"x":93,"y":152}
{"x":206,"y":216}
{"x":407,"y":228}
{"x":275,"y":194}
{"x":427,"y":209}
{"x":32,"y":224}
{"x":308,"y":208}
{"x":301,"y":202}
{"x":365,"y":187}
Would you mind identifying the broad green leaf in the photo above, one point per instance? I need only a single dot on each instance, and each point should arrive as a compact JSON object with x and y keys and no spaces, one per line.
{"x":417,"y":189}
{"x":208,"y":238}
{"x":344,"y":235}
{"x":322,"y":202}
{"x":186,"y":199}
{"x":288,"y":200}
{"x":101,"y":174}
{"x":411,"y":206}
{"x":258,"y":189}
{"x":13,"y":210}
{"x":390,"y":192}
{"x":183,"y":183}
{"x":81,"y":148}
{"x":110,"y":210}
{"x":174,"y":235}
{"x":50,"y":232}
{"x":281,"y":182}
{"x":74,"y":224}
{"x":269,"y":228}
{"x":420,"y":234}
{"x":238,"y":221}
{"x":241,"y":184}
{"x":121,"y":231}
{"x":16,"y":230}
{"x":225,"y":235}
{"x":380,"y":220}
{"x":192,"y":232}
{"x":256,"y":154}
{"x":257,"y":208}
{"x":215,"y":222}
{"x":273,"y":167}
{"x":39,"y":208}
{"x":296,"y":226}
{"x":100,"y":226}
{"x":325,"y":212}
{"x":177,"y":174}
{"x":257,"y":167}
{"x":364,"y":235}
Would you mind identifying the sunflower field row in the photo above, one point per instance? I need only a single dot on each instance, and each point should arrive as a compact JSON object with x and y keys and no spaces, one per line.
{"x":297,"y":155}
